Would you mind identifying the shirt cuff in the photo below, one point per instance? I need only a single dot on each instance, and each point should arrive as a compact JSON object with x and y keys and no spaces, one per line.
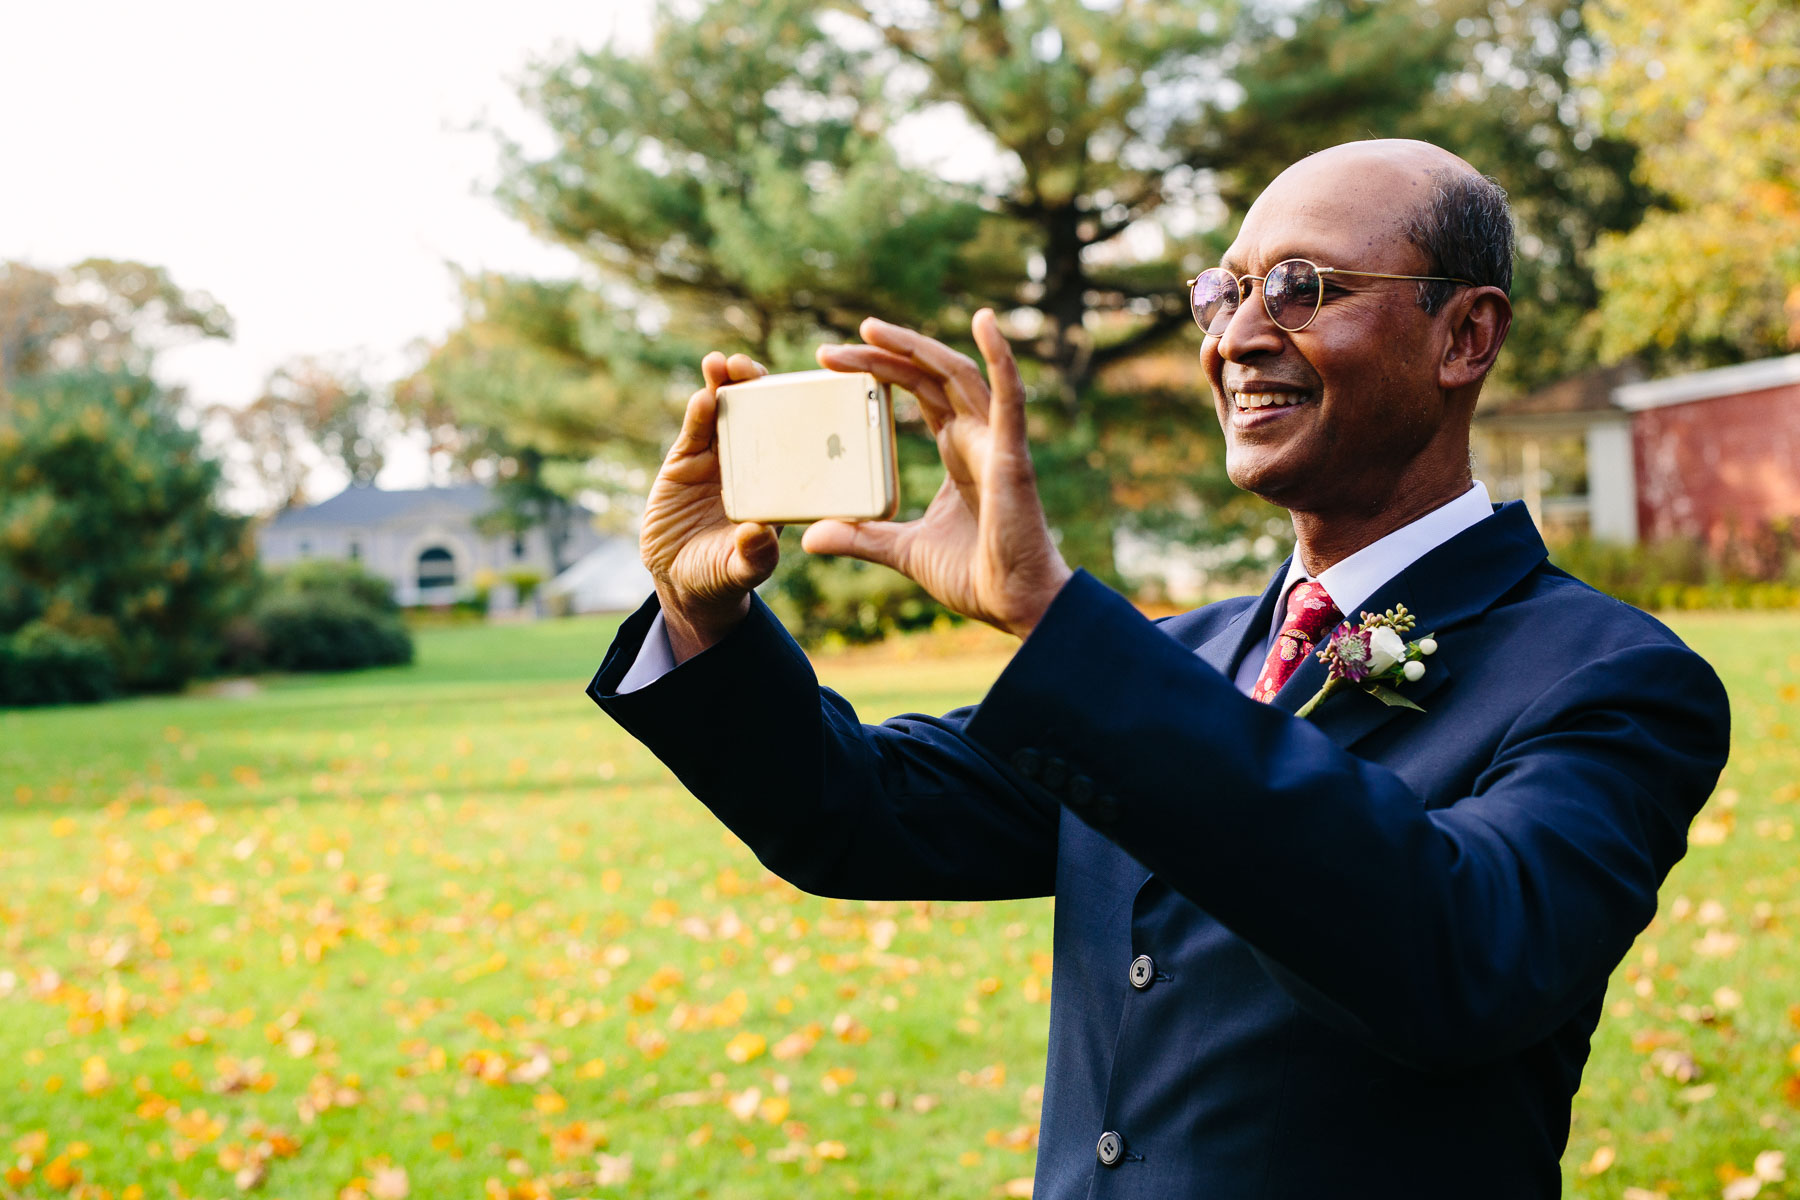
{"x":655,"y":659}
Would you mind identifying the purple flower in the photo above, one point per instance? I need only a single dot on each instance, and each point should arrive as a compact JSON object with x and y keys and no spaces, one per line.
{"x":1351,"y":658}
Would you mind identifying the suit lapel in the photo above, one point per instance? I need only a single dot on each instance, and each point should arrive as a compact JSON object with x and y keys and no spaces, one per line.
{"x":1225,"y":649}
{"x":1452,"y":585}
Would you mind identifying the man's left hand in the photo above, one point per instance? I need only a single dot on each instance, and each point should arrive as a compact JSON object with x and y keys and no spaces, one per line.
{"x":983,"y":547}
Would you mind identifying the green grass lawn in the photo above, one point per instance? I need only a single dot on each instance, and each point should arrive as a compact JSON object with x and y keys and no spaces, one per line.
{"x":444,"y":931}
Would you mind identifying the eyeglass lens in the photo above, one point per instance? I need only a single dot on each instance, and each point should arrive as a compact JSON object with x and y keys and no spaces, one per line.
{"x":1291,"y":296}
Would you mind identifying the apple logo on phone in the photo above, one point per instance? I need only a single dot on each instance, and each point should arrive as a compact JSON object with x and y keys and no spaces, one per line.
{"x":834,"y":447}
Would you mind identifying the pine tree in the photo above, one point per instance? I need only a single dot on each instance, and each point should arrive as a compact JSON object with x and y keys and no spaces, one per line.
{"x":108,"y":527}
{"x":764,"y":175}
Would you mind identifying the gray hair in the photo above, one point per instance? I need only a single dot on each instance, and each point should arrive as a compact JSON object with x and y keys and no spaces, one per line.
{"x":1466,"y":232}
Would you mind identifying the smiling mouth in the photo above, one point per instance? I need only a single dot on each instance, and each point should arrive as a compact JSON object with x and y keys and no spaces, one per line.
{"x":1256,"y":401}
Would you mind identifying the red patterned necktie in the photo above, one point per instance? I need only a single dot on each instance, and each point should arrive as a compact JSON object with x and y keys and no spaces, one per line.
{"x":1310,"y":615}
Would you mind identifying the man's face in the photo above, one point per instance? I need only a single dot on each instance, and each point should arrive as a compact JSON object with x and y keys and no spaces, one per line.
{"x":1356,"y":392}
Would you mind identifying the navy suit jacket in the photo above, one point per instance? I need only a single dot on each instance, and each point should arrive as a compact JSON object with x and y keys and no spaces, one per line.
{"x":1378,"y":940}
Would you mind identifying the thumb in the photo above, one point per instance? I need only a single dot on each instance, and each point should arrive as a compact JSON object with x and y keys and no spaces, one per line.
{"x":871,"y":541}
{"x":698,"y":424}
{"x":756,"y":548}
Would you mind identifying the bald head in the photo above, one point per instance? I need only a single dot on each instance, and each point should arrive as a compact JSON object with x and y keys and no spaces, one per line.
{"x":1423,"y":195}
{"x":1403,"y":157}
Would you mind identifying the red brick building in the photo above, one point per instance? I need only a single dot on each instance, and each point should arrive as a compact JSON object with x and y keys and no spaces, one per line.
{"x":1713,"y":455}
{"x":1716,"y":454}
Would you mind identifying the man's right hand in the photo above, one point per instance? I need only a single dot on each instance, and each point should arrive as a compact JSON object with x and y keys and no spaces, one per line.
{"x":704,"y":564}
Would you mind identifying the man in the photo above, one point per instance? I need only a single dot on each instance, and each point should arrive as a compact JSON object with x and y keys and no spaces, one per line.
{"x":1360,"y":954}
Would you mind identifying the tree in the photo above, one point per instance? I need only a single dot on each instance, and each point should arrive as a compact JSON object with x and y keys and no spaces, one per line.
{"x":1711,"y":90}
{"x":520,"y":394}
{"x":311,"y":413}
{"x":108,"y":528}
{"x":100,"y":313}
{"x":525,"y":499}
{"x":548,"y":366}
{"x":1500,"y":84}
{"x":754,"y":180}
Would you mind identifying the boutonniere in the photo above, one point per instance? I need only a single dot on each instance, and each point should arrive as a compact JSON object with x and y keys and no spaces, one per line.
{"x":1374,"y":656}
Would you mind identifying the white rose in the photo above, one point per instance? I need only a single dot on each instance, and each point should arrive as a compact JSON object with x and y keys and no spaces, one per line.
{"x":1427,"y":645}
{"x":1385,"y":649}
{"x":1414,"y":671}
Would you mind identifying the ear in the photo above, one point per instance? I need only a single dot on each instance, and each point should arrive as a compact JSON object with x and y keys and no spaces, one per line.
{"x":1478,"y":319}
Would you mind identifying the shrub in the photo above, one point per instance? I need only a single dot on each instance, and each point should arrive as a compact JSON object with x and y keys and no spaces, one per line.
{"x":524,"y":583}
{"x":40,"y":664}
{"x":109,"y":518}
{"x":1681,"y":574}
{"x":482,"y":588}
{"x":244,"y":648}
{"x":328,"y":576}
{"x":318,"y":630}
{"x":321,"y":615}
{"x":824,"y":601}
{"x":481,"y":601}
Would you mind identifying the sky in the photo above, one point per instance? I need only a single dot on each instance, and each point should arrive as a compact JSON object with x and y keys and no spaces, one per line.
{"x":317,"y":168}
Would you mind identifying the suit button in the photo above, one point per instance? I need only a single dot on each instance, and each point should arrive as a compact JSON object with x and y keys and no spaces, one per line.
{"x":1081,"y":791}
{"x":1143,"y":972}
{"x":1111,"y":1149}
{"x":1106,"y":809}
{"x":1026,"y":763}
{"x":1055,"y":774}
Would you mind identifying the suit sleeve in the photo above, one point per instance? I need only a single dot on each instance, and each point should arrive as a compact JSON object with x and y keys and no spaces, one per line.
{"x":1444,"y":937}
{"x":907,"y":809}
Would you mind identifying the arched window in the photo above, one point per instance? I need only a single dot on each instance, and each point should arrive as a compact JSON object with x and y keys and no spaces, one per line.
{"x":437,"y":569}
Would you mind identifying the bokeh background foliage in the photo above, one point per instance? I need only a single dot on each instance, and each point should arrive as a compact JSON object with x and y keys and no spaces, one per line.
{"x":1711,"y":92}
{"x":761,"y":177}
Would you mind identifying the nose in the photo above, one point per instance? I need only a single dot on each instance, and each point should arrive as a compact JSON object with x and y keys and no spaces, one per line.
{"x":1250,"y":331}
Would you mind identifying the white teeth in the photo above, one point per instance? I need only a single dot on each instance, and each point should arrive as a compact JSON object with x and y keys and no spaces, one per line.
{"x":1267,"y":399}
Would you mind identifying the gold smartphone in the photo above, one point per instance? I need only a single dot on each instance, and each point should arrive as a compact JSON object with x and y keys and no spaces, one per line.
{"x":808,"y":445}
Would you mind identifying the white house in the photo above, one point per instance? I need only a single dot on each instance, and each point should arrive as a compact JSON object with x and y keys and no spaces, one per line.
{"x":422,"y":540}
{"x":608,"y":579}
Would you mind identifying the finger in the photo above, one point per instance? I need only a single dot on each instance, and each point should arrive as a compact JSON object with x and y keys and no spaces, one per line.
{"x":699,"y":423}
{"x":742,"y":367}
{"x":1006,"y":413}
{"x":756,"y":550}
{"x":871,"y":541}
{"x":713,"y":370}
{"x":956,"y":470}
{"x":951,"y":451}
{"x":961,"y":378}
{"x":894,"y":369}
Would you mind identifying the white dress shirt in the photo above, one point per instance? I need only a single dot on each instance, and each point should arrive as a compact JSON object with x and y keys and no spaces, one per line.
{"x":1349,"y":583}
{"x":655,"y":659}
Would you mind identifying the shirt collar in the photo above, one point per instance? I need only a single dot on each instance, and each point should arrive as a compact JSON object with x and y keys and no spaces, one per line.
{"x":1354,"y":579}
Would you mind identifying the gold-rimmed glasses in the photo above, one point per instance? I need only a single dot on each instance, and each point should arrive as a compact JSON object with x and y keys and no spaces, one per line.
{"x":1292,"y":286}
